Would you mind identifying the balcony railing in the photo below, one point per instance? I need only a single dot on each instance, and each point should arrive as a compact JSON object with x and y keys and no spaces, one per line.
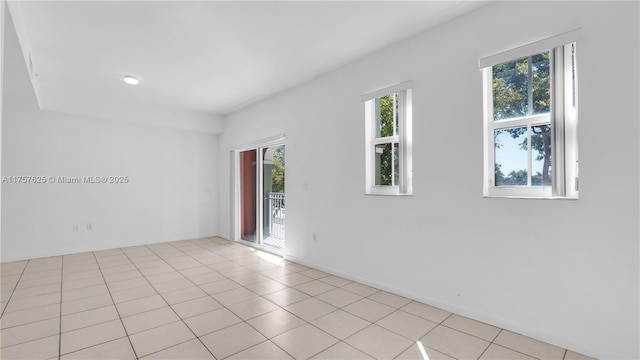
{"x":276,"y":215}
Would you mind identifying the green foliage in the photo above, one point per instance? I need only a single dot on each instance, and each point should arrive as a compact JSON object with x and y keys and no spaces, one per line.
{"x":513,"y":97}
{"x":387,"y":121}
{"x":278,"y":170}
{"x":388,"y":108}
{"x":511,"y":92}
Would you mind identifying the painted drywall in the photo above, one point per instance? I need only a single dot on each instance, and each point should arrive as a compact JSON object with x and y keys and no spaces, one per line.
{"x":172,"y":181}
{"x":2,"y":25}
{"x":563,"y":271}
{"x":119,"y":107}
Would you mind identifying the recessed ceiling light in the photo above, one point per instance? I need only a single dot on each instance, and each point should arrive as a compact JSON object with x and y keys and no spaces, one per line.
{"x":131,"y":80}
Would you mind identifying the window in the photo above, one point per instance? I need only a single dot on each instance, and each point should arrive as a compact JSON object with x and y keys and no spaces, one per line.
{"x":530,"y":120}
{"x":388,"y":140}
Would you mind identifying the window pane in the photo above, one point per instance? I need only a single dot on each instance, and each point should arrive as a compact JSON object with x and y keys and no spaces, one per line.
{"x":521,"y":87}
{"x":387,"y":115}
{"x":540,"y":78}
{"x":511,"y":156}
{"x":396,"y":165}
{"x":384,"y":164}
{"x":541,"y":155}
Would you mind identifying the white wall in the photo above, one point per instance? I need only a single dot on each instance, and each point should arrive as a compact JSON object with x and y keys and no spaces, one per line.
{"x":2,"y":25}
{"x":566,"y":272}
{"x":171,"y":195}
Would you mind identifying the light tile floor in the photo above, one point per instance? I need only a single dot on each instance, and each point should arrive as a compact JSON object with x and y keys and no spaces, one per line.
{"x":215,"y":299}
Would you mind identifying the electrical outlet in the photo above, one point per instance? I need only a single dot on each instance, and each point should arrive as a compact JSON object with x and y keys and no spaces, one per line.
{"x":75,"y":227}
{"x":89,"y":227}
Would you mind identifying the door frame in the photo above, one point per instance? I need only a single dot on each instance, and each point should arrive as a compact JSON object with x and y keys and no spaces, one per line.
{"x":235,"y":201}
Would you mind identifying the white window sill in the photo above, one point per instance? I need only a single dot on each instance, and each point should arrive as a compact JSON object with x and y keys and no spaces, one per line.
{"x":530,"y":197}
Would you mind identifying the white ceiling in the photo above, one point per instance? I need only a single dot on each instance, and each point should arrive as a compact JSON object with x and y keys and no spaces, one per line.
{"x":207,"y":57}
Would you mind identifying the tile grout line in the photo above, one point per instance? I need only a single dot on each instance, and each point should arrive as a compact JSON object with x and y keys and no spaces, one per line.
{"x":14,"y":288}
{"x":114,"y":306}
{"x":243,"y":320}
{"x":165,"y":301}
{"x":163,"y":257}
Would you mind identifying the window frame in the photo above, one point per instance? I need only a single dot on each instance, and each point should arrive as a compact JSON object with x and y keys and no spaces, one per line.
{"x":402,"y":138}
{"x":562,"y":117}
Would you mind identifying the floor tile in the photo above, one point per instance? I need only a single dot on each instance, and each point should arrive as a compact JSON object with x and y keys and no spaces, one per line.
{"x":497,"y":352}
{"x":127,"y":284}
{"x":212,"y":321}
{"x":149,"y":320}
{"x":48,"y":280}
{"x":119,"y":349}
{"x":190,"y":350}
{"x":314,"y":287}
{"x":140,"y":305}
{"x":266,"y":287}
{"x":206,"y":278}
{"x":529,"y":346}
{"x":286,"y":296}
{"x":45,"y":348}
{"x":277,"y":272}
{"x":29,"y":332}
{"x":293,"y":279}
{"x":195,"y":307}
{"x":378,"y":342}
{"x":266,"y":350}
{"x":160,"y":338}
{"x":30,"y":315}
{"x":570,"y":355}
{"x":248,"y":279}
{"x":360,"y":289}
{"x":32,"y":302}
{"x":199,"y":270}
{"x":472,"y":327}
{"x":410,"y":326}
{"x":426,"y":311}
{"x":231,"y":340}
{"x":304,"y":341}
{"x":221,"y":286}
{"x":275,"y":323}
{"x":34,"y":291}
{"x":80,"y":283}
{"x":310,"y":309}
{"x":339,"y":297}
{"x":369,"y":310}
{"x":92,"y":335}
{"x":455,"y":343}
{"x":133,"y":294}
{"x":160,"y":273}
{"x":81,"y":275}
{"x":118,"y":269}
{"x":87,"y":318}
{"x":127,"y":275}
{"x":173,"y":285}
{"x":182,"y":295}
{"x":84,"y":292}
{"x":418,"y":351}
{"x":213,"y":284}
{"x":314,"y":274}
{"x":340,"y":324}
{"x":234,"y":296}
{"x":390,"y":299}
{"x":94,"y":302}
{"x":69,"y":269}
{"x":252,"y":308}
{"x":342,"y":351}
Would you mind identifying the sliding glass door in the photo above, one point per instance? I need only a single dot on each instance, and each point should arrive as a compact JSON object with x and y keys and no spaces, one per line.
{"x":248,"y":198}
{"x":262,"y":195}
